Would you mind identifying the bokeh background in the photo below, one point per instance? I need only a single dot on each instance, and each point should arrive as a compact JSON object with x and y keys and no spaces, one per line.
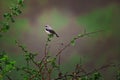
{"x":69,"y":18}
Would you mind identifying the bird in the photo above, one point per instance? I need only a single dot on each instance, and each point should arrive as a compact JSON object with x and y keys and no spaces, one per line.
{"x":50,"y":31}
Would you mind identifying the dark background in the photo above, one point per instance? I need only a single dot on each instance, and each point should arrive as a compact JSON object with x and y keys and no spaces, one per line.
{"x":69,"y":18}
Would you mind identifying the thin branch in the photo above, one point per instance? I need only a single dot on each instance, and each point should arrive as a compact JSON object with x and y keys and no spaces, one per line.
{"x":34,"y":62}
{"x":82,"y":35}
{"x":27,"y":71}
{"x":79,"y":69}
{"x":98,"y":69}
{"x":89,"y":73}
{"x":26,"y":51}
{"x":46,"y":45}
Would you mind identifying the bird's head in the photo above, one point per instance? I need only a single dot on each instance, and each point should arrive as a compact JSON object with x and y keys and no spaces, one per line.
{"x":48,"y":27}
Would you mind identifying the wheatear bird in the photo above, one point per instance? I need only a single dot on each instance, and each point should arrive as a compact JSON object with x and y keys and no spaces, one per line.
{"x":49,"y":30}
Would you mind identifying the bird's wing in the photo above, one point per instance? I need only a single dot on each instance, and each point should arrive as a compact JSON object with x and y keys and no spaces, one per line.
{"x":51,"y":31}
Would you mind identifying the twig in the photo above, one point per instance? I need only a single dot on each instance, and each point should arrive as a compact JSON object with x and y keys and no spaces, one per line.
{"x":34,"y":62}
{"x":26,"y":51}
{"x":46,"y":45}
{"x":27,"y":71}
{"x":43,"y":61}
{"x":82,"y":35}
{"x":98,"y":69}
{"x":89,"y":73}
{"x":79,"y":69}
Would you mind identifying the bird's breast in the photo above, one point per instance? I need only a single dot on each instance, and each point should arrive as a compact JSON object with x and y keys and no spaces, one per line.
{"x":47,"y":31}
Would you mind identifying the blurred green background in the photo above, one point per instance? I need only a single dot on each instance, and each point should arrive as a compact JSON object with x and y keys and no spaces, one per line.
{"x":69,"y":18}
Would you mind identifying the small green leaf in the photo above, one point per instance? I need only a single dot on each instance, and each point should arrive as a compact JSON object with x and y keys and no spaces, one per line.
{"x":96,"y":75}
{"x":19,"y":11}
{"x":4,"y":58}
{"x":84,"y":78}
{"x":73,"y":42}
{"x":13,"y":63}
{"x":79,"y":35}
{"x":5,"y":15}
{"x":12,"y":20}
{"x":50,"y":35}
{"x":5,"y":27}
{"x":20,"y":2}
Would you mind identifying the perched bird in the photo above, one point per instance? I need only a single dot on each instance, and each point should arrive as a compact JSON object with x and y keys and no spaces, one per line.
{"x":49,"y":30}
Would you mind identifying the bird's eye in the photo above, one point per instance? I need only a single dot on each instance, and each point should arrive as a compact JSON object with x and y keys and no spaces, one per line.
{"x":45,"y":26}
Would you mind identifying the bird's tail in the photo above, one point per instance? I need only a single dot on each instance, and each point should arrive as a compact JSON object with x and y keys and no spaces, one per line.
{"x":56,"y":35}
